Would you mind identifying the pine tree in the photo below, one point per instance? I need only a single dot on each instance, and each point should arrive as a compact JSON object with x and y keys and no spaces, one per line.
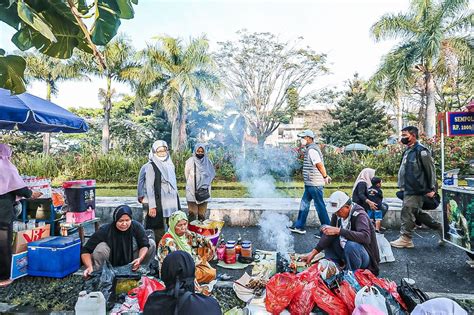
{"x":357,"y":117}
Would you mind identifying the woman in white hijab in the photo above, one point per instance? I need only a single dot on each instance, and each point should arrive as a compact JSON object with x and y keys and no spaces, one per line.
{"x":199,"y":172}
{"x":161,"y":188}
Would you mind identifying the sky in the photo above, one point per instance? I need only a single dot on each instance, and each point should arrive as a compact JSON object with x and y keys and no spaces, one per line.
{"x":339,"y":28}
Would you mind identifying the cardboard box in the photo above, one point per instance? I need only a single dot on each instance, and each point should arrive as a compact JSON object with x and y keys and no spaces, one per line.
{"x":22,"y":238}
{"x":19,"y":266}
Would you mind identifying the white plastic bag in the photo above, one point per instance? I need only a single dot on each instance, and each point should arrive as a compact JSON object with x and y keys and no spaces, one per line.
{"x":385,"y":250}
{"x":369,"y":295}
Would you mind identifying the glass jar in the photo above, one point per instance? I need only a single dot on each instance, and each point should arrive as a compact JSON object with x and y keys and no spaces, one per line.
{"x":246,"y":250}
{"x":230,"y":256}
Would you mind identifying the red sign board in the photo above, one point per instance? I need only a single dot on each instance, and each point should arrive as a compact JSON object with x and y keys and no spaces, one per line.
{"x":455,"y":124}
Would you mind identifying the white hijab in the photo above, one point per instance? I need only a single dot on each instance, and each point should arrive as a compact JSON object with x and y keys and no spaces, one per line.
{"x":365,"y":176}
{"x":166,"y":167}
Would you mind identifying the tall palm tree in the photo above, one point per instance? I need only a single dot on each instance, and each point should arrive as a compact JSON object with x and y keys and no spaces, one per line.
{"x":119,"y":60}
{"x":428,"y":32}
{"x":179,"y":74}
{"x":51,"y":70}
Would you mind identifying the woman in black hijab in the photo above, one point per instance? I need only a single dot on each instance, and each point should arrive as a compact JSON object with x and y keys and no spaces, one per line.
{"x":179,"y":298}
{"x":114,"y":242}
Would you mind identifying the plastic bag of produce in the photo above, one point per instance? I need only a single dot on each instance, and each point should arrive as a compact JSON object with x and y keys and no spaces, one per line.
{"x":147,"y":287}
{"x":347,"y":294}
{"x":104,"y":281}
{"x":281,"y":289}
{"x":326,"y":300}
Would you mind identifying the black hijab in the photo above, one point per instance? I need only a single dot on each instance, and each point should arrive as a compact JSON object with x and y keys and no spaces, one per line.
{"x":177,"y":272}
{"x":120,"y":242}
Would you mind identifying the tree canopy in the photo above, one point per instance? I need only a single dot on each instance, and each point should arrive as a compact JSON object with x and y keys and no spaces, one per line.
{"x":268,"y":78}
{"x":56,"y":28}
{"x":358,"y":118}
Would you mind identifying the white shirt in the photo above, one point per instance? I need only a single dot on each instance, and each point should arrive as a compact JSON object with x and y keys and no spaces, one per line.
{"x":344,"y":224}
{"x":314,"y":156}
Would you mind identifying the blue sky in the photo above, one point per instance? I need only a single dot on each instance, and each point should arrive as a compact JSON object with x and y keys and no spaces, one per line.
{"x":338,"y":28}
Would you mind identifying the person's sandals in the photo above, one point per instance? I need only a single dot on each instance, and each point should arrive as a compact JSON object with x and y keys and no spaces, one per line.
{"x":5,"y":283}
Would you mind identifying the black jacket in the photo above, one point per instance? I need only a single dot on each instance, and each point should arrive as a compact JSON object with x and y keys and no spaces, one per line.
{"x":420,"y":177}
{"x":360,"y":195}
{"x":362,"y":232}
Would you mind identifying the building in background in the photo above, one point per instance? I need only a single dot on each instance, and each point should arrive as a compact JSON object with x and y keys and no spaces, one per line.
{"x":312,"y":117}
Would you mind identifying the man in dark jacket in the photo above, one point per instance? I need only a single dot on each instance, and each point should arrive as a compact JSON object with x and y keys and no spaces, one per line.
{"x":350,"y":239}
{"x":416,"y":178}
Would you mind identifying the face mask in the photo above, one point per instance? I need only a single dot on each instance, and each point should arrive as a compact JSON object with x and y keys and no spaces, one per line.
{"x":199,"y":155}
{"x":404,"y":140}
{"x":303,"y":142}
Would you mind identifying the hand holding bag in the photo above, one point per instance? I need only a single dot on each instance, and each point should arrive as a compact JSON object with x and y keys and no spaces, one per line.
{"x":202,"y":193}
{"x":370,"y":295}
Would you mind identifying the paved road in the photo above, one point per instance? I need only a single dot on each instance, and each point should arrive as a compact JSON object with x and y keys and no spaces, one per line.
{"x":439,"y":269}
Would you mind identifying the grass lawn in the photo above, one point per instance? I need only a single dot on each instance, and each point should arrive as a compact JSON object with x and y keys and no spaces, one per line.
{"x":222,"y":189}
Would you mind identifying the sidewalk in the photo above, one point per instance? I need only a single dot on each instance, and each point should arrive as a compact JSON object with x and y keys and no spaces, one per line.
{"x":245,"y":211}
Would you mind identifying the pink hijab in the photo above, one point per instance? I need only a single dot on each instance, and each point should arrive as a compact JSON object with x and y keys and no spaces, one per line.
{"x":10,"y":180}
{"x":365,"y":176}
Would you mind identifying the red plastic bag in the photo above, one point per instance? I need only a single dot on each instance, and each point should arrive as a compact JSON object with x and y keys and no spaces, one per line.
{"x":147,"y":287}
{"x":327,"y":301}
{"x":366,"y":277}
{"x":347,"y":294}
{"x":281,"y":289}
{"x":302,"y":303}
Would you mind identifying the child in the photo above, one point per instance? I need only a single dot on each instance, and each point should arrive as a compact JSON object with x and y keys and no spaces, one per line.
{"x":375,"y":194}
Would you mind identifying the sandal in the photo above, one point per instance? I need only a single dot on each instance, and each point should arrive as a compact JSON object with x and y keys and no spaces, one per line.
{"x":5,"y":283}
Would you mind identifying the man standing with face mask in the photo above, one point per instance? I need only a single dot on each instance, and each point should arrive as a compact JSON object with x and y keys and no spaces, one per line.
{"x":315,"y":177}
{"x":416,"y":178}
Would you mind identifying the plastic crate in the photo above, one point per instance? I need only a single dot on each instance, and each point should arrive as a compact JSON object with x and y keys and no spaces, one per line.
{"x":54,"y":257}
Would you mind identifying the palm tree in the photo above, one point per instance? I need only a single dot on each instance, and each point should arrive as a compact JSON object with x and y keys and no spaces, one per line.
{"x":179,"y":74}
{"x":119,"y":60}
{"x":428,"y":32}
{"x":51,"y":70}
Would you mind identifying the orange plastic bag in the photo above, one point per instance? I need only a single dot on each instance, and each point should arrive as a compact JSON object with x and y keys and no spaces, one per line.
{"x":147,"y":287}
{"x":281,"y":289}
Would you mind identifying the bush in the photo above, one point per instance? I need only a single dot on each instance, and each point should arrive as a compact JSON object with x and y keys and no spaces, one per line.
{"x":120,"y":167}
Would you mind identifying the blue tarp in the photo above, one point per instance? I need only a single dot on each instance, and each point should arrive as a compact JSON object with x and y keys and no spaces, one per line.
{"x":34,"y":114}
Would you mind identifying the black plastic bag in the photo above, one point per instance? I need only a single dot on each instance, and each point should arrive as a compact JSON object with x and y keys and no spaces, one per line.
{"x":411,"y":295}
{"x":393,"y":307}
{"x":104,"y":281}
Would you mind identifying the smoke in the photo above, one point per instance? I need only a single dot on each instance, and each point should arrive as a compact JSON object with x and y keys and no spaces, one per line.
{"x":275,"y":234}
{"x":258,"y":168}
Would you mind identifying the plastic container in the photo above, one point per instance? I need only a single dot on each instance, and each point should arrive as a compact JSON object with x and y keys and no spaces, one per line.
{"x":90,"y":304}
{"x":230,"y":256}
{"x":246,"y":250}
{"x":450,"y":178}
{"x":54,"y":257}
{"x":80,"y":199}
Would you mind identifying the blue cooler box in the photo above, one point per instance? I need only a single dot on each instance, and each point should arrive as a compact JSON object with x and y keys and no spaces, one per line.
{"x":55,"y":256}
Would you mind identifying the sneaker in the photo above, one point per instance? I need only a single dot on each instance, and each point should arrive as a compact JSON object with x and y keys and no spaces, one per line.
{"x":297,"y":230}
{"x":402,"y":242}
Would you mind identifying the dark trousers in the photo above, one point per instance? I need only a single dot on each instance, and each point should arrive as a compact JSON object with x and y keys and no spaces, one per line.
{"x":316,"y":194}
{"x":6,"y":236}
{"x":353,"y":254}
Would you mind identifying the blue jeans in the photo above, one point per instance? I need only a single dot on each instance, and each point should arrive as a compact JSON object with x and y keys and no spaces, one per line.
{"x":312,"y":193}
{"x":353,"y":254}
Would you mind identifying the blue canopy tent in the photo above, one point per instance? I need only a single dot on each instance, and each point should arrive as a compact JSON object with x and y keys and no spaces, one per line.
{"x":34,"y":114}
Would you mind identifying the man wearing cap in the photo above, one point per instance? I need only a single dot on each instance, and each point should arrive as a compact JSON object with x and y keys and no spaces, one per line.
{"x":350,"y":240}
{"x":315,"y":177}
